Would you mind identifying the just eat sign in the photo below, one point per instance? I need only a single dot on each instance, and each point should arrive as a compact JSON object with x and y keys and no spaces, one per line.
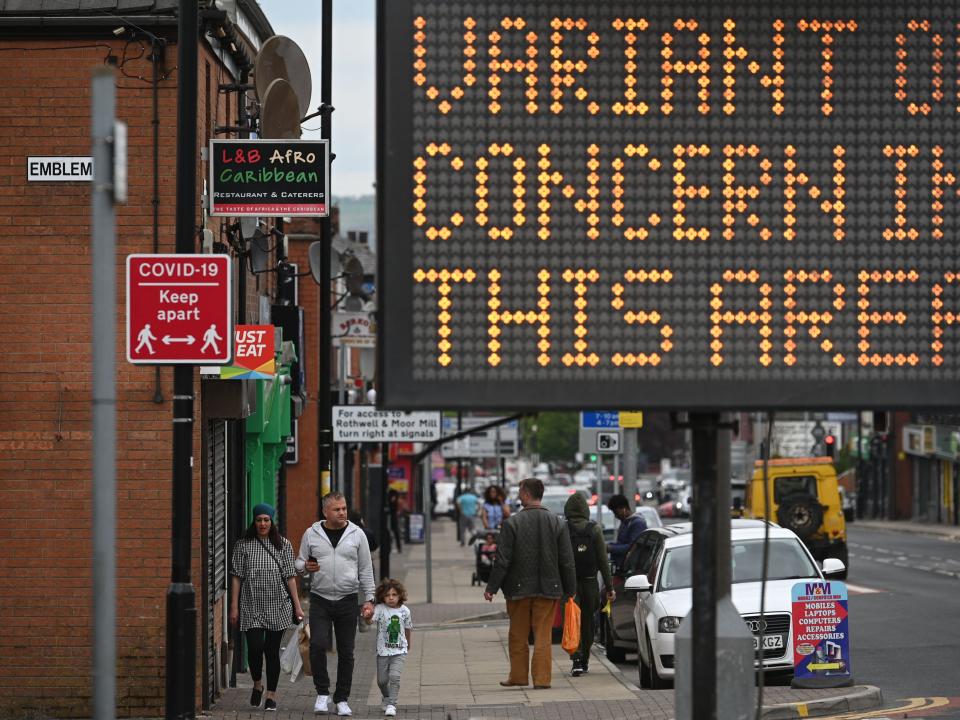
{"x":179,"y":309}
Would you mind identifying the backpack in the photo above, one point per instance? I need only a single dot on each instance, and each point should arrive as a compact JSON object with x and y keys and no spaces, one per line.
{"x":584,"y":555}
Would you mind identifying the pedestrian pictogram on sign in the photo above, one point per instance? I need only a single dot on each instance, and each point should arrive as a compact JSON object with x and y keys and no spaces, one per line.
{"x":179,"y":309}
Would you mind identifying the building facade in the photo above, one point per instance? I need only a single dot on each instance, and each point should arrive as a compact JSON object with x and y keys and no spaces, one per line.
{"x":49,"y":51}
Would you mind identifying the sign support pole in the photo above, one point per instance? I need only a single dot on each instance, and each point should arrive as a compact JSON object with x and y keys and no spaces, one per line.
{"x":181,"y":599}
{"x":383,"y":527}
{"x":630,"y":465}
{"x":325,"y":406}
{"x":704,"y":611}
{"x":104,"y":410}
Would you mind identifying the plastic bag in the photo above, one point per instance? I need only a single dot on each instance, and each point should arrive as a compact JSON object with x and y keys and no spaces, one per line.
{"x":291,"y":652}
{"x":571,"y":627}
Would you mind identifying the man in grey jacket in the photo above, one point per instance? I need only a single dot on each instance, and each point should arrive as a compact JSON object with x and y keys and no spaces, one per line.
{"x":535,"y":569}
{"x":337,"y":555}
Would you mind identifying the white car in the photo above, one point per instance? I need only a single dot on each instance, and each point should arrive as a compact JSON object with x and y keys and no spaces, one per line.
{"x":664,"y":594}
{"x":650,"y":516}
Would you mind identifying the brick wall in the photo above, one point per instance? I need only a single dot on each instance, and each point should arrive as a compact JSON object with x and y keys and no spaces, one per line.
{"x":303,"y":490}
{"x":45,"y":441}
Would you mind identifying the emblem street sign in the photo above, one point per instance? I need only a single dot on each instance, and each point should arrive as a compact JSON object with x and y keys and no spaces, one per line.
{"x":179,"y":310}
{"x":363,"y":423}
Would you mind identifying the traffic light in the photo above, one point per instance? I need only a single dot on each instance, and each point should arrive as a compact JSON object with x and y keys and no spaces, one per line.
{"x":592,"y":457}
{"x":830,"y":445}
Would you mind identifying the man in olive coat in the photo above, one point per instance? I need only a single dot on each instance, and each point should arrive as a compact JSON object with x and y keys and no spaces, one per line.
{"x":534,"y":569}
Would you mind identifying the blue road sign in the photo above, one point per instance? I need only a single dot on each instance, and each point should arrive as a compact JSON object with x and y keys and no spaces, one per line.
{"x":600,"y":419}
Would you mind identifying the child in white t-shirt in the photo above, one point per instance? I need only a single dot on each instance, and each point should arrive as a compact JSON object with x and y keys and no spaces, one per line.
{"x":394,"y":625}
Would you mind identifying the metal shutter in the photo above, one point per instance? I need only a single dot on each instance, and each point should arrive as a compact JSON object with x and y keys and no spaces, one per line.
{"x":216,"y":537}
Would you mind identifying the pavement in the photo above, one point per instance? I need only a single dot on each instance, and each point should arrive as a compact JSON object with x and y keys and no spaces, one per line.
{"x":947,"y":532}
{"x":459,"y":655}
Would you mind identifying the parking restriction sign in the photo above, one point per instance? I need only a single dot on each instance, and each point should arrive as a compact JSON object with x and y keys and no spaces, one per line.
{"x":179,"y":309}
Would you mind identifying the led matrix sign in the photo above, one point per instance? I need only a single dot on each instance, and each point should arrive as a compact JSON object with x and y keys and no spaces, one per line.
{"x":684,"y":205}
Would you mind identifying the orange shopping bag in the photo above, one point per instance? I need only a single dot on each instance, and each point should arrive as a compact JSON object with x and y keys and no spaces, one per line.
{"x":571,"y":627}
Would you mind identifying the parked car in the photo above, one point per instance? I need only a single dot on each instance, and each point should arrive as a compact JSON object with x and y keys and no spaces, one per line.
{"x":617,"y":628}
{"x":663,"y":595}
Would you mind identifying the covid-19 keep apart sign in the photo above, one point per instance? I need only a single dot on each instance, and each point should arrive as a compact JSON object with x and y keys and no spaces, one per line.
{"x":688,"y":205}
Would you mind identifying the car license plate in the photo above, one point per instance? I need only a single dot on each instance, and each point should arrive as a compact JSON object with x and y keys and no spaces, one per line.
{"x":770,"y":642}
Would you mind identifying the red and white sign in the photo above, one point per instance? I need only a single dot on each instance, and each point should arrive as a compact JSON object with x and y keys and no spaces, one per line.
{"x":179,"y":310}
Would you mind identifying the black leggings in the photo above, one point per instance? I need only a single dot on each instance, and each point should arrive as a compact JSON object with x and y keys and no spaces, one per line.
{"x":260,"y":642}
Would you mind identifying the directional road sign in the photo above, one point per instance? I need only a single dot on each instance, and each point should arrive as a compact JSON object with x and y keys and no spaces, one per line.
{"x":178,"y":310}
{"x":362,"y":423}
{"x":600,"y":430}
{"x":484,"y":443}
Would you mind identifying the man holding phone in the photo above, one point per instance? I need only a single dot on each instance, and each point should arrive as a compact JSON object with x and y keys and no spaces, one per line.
{"x":336,"y":553}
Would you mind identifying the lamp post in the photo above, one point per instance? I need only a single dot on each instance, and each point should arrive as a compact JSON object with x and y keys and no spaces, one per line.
{"x":181,"y":608}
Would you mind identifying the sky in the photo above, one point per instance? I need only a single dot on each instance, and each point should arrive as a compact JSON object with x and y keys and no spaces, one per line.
{"x":353,"y":92}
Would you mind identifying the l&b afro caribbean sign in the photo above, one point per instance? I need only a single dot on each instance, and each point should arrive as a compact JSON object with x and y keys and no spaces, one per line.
{"x":676,"y":205}
{"x":269,"y":177}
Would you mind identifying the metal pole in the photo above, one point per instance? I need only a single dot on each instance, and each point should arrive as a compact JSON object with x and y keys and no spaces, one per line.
{"x":181,"y":608}
{"x":630,"y":465}
{"x":459,"y":488}
{"x":385,"y":540}
{"x":427,"y":521}
{"x":104,"y":398}
{"x":496,"y":440}
{"x":600,"y":490}
{"x":617,"y":485}
{"x":325,"y":424}
{"x":704,"y":428}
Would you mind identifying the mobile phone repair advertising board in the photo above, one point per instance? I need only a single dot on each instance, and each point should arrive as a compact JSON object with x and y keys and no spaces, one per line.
{"x":821,"y":635}
{"x":270,"y":177}
{"x":712,"y":205}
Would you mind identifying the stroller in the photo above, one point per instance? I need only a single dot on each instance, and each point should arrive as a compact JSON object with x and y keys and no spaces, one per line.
{"x":485,"y":553}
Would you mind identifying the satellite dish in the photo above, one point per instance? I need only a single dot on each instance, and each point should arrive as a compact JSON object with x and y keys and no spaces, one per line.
{"x":259,"y":251}
{"x":315,"y":255}
{"x":281,"y":57}
{"x":248,"y":225}
{"x":279,"y":113}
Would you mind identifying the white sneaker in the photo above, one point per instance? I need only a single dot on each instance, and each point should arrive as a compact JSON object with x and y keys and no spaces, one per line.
{"x":320,"y":706}
{"x":343,"y":708}
{"x":390,"y":711}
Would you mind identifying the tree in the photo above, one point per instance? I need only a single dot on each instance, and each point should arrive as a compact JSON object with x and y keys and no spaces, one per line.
{"x":556,"y":438}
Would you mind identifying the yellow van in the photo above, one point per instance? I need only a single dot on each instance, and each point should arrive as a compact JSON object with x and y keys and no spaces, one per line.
{"x":804,"y":497}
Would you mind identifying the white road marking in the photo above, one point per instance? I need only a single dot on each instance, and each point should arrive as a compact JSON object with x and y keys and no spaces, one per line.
{"x":861,"y":590}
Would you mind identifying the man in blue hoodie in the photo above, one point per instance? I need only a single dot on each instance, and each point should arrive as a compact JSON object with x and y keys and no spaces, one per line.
{"x":630,"y":528}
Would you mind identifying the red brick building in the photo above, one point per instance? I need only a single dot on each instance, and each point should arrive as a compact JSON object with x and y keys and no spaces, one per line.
{"x":48,"y":53}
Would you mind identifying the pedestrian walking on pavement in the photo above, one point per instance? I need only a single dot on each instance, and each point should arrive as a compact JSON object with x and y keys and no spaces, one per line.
{"x":336,"y":553}
{"x":494,"y":510}
{"x":357,"y":519}
{"x":394,"y":630}
{"x":535,"y":570}
{"x":398,"y":507}
{"x":589,"y":558}
{"x":467,"y":504}
{"x":263,"y":597}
